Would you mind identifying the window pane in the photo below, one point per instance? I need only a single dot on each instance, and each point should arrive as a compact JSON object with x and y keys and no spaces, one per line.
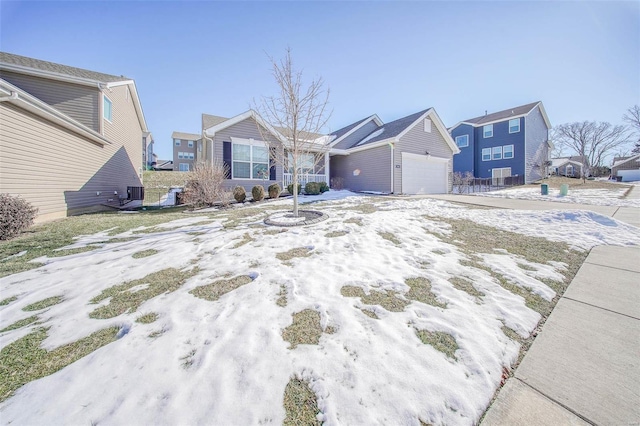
{"x":507,"y":151}
{"x":107,"y":108}
{"x":462,"y":141}
{"x":177,"y":142}
{"x":514,"y":125}
{"x":260,"y":171}
{"x":488,"y":130}
{"x":241,"y":170}
{"x":260,"y":154}
{"x":486,"y":154}
{"x":241,"y":152}
{"x":497,"y":152}
{"x":190,"y":143}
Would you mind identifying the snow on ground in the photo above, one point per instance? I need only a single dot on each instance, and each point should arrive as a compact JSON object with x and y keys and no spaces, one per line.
{"x":598,"y":197}
{"x":371,"y":371}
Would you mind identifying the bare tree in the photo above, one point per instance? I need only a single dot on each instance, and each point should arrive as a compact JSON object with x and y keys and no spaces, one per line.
{"x":633,"y":118}
{"x":591,"y":140}
{"x":299,"y":113}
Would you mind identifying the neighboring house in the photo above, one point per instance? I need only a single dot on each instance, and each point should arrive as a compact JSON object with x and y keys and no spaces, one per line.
{"x":185,"y":150}
{"x":163,"y":166}
{"x":70,"y":139}
{"x":626,"y":168}
{"x":567,"y":166}
{"x":411,"y":155}
{"x":513,"y":142}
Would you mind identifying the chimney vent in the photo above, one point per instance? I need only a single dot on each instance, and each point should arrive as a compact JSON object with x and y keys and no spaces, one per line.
{"x":485,"y":112}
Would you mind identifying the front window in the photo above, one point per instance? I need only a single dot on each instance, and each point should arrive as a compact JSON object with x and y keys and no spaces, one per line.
{"x":462,"y":141}
{"x":514,"y":125}
{"x":487,"y":131}
{"x":507,"y":151}
{"x":177,"y":142}
{"x":486,"y":154}
{"x":184,"y":167}
{"x":190,"y":143}
{"x":306,"y":163}
{"x":496,"y":153}
{"x":250,"y":161}
{"x":107,"y":108}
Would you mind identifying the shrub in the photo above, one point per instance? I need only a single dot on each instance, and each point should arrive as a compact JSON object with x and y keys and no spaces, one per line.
{"x":239,"y":194}
{"x":290,"y":188}
{"x":204,"y":185}
{"x":16,"y":215}
{"x":323,"y":187}
{"x":312,"y":188}
{"x":257,"y":192}
{"x":274,"y":190}
{"x":337,"y":183}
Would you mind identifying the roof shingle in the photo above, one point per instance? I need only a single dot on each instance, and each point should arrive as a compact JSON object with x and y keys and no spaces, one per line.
{"x":390,"y":130}
{"x":500,"y":115}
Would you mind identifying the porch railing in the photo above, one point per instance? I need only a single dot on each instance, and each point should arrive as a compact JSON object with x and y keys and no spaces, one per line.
{"x":303,"y":179}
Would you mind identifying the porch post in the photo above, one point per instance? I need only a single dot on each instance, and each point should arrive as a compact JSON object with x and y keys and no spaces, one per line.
{"x":327,"y":171}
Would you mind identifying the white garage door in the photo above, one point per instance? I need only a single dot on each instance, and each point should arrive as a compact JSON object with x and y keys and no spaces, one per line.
{"x":424,"y":174}
{"x":629,"y":175}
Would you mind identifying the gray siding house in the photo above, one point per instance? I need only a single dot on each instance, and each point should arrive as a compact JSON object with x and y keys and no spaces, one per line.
{"x":626,"y":168}
{"x":71,"y":140}
{"x":411,"y":155}
{"x":186,"y":147}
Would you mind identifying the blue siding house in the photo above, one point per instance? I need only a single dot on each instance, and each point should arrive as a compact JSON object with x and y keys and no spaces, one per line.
{"x":513,"y":142}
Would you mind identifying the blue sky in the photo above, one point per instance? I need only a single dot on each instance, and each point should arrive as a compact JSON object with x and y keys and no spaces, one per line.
{"x":582,"y":59}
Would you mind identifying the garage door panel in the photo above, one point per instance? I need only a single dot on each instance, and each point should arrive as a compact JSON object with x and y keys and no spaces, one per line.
{"x":422,"y":174}
{"x":629,"y":175}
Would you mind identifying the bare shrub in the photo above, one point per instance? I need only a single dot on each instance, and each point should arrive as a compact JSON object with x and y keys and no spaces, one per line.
{"x":257,"y":192}
{"x":16,"y":215}
{"x":274,"y":190}
{"x":239,"y":194}
{"x":461,"y":181}
{"x":204,"y":185}
{"x":337,"y":183}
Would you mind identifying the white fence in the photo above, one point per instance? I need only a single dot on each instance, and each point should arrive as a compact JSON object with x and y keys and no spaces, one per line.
{"x":303,"y":179}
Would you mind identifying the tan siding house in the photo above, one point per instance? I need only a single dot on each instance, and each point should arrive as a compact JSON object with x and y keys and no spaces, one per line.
{"x":61,"y":149}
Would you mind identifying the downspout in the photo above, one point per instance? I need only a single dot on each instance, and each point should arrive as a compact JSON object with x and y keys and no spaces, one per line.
{"x":392,"y":168}
{"x":12,"y":97}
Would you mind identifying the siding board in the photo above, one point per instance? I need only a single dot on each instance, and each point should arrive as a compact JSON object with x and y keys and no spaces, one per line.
{"x":368,"y":170}
{"x":536,"y":148}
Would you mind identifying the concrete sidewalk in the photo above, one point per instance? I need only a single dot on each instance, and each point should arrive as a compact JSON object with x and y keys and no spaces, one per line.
{"x":584,"y":366}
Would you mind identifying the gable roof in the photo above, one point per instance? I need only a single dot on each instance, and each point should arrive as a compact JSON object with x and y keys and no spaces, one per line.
{"x":11,"y":61}
{"x":211,"y":120}
{"x":185,"y":136}
{"x":515,"y":112}
{"x":558,"y":162}
{"x":622,"y":160}
{"x":36,"y":67}
{"x":212,"y":130}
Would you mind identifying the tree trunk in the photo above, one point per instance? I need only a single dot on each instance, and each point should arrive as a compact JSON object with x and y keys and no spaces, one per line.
{"x":295,"y":191}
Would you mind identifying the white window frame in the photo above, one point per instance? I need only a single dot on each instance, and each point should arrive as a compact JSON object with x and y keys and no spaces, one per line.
{"x":183,"y":165}
{"x":180,"y":155}
{"x":191,"y":155}
{"x":427,"y":125}
{"x":106,"y":99}
{"x":514,"y":131}
{"x":466,"y":137}
{"x":483,"y":154}
{"x":487,"y":131}
{"x":190,"y":144}
{"x":504,"y":153}
{"x":252,"y":143}
{"x":176,"y":142}
{"x":494,"y":151}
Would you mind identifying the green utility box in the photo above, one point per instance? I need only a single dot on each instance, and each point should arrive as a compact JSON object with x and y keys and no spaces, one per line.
{"x":544,"y":189}
{"x":564,"y":189}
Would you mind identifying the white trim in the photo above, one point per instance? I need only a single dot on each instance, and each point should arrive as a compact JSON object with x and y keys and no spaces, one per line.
{"x":110,"y":120}
{"x":34,"y":105}
{"x":509,"y":125}
{"x":493,"y":152}
{"x":542,"y":111}
{"x":211,"y":131}
{"x":462,"y":136}
{"x":251,"y":143}
{"x":435,"y":118}
{"x":375,"y":119}
{"x":482,"y":154}
{"x":484,"y":131}
{"x":513,"y":154}
{"x":460,"y":123}
{"x":393,"y":168}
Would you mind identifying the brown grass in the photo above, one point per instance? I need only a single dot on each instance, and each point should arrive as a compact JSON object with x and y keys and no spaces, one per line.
{"x":44,"y":303}
{"x":144,"y":253}
{"x":440,"y":341}
{"x":421,"y":292}
{"x":304,"y":330}
{"x":387,"y":299}
{"x":217,"y":289}
{"x":390,"y":237}
{"x":295,"y":252}
{"x":466,"y":285}
{"x":300,"y":404}
{"x":20,"y":323}
{"x":334,"y":234}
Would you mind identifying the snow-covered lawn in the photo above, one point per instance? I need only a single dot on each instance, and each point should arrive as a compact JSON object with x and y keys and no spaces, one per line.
{"x":382,"y":276}
{"x":599,"y":196}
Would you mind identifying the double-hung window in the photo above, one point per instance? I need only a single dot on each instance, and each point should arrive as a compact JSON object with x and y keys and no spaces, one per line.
{"x":514,"y":125}
{"x":250,"y":161}
{"x":190,"y":143}
{"x":487,"y":131}
{"x":507,"y":152}
{"x":107,"y":108}
{"x":496,"y":153}
{"x":486,"y":154}
{"x":177,"y":142}
{"x":462,"y":141}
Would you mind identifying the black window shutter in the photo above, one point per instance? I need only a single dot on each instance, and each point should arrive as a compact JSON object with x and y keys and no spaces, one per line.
{"x":272,"y":165}
{"x":226,"y":158}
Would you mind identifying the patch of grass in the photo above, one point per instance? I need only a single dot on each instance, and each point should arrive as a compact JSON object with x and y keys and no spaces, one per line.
{"x":273,"y":231}
{"x":68,"y":252}
{"x":295,"y":252}
{"x":8,"y":300}
{"x":390,"y":237}
{"x":438,"y":251}
{"x":282,"y":296}
{"x":356,"y":220}
{"x":387,"y":299}
{"x":157,"y":333}
{"x":300,"y":404}
{"x":187,"y":360}
{"x":144,"y":253}
{"x":236,"y":216}
{"x":364,"y":208}
{"x":20,"y":323}
{"x":370,"y":313}
{"x":246,"y":238}
{"x":421,"y":292}
{"x":44,"y":303}
{"x":147,"y":318}
{"x":511,"y":334}
{"x":24,"y":360}
{"x":334,"y":234}
{"x":465,"y":285}
{"x":123,"y":300}
{"x":443,"y":342}
{"x":43,"y":239}
{"x":196,"y":233}
{"x":305,"y":329}
{"x":526,"y":267}
{"x":217,"y":289}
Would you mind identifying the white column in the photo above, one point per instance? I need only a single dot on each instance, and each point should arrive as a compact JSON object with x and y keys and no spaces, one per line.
{"x":327,"y":171}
